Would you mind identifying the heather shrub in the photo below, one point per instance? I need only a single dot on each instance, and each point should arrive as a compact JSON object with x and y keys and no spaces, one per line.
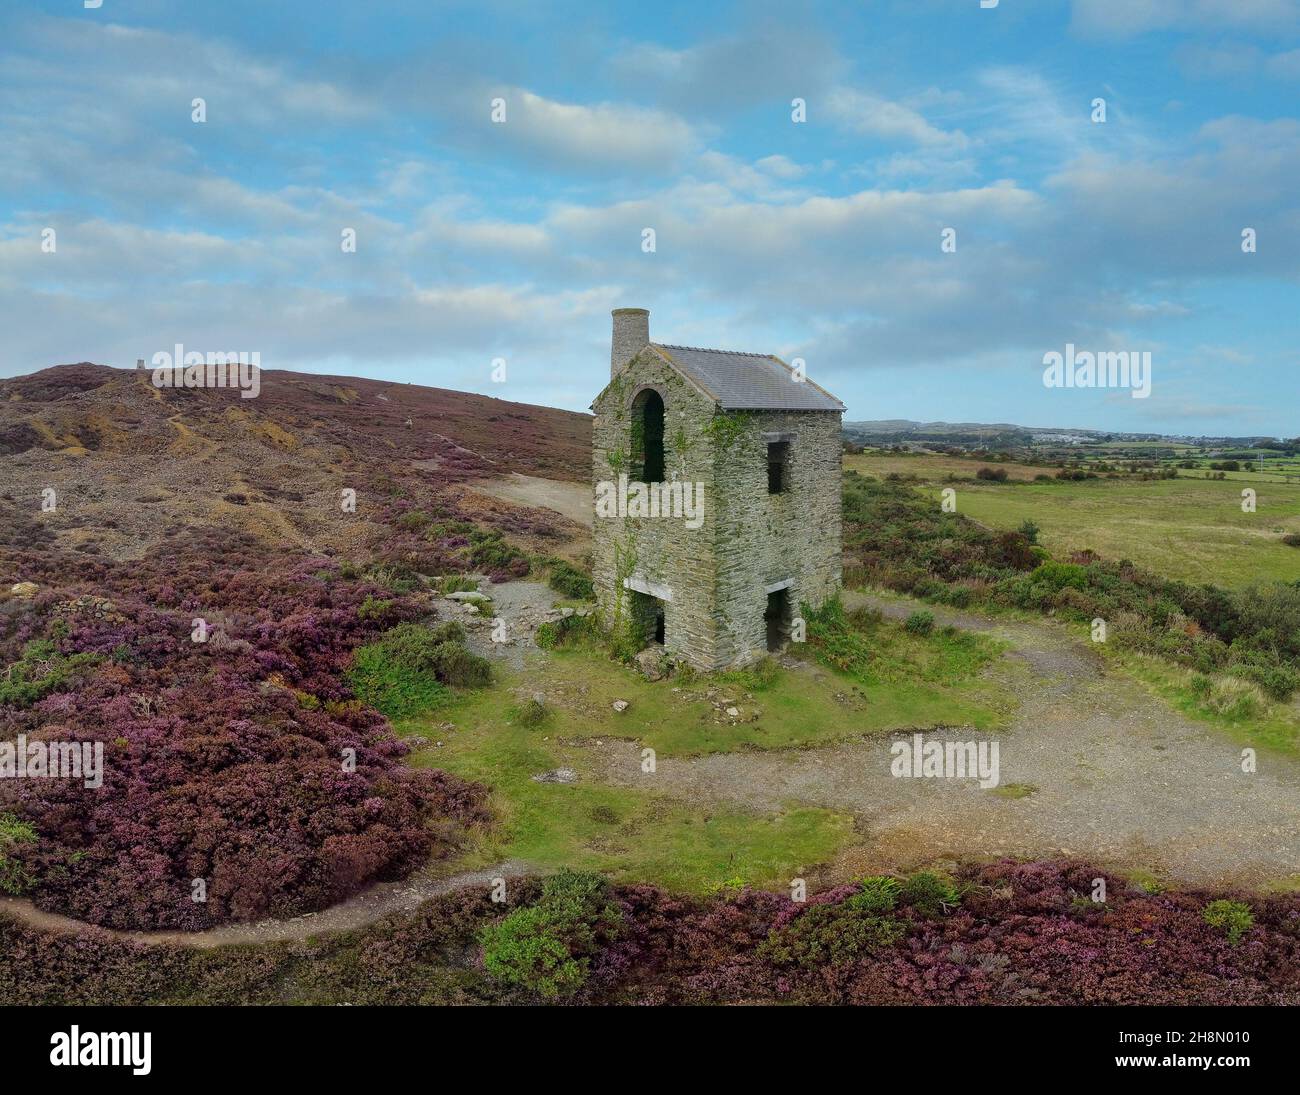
{"x":1233,"y":918}
{"x":1025,"y":933}
{"x":548,"y":947}
{"x":239,"y":760}
{"x":995,"y":475}
{"x":929,"y":894}
{"x":1279,"y":682}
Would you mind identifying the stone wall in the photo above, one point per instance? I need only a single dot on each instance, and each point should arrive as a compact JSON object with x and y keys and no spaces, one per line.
{"x":769,"y":538}
{"x":658,"y":550}
{"x":717,"y":575}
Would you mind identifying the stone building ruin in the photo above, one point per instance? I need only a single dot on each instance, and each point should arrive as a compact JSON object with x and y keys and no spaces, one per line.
{"x":717,"y":485}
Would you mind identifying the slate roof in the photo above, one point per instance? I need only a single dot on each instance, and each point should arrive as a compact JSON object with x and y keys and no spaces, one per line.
{"x":748,"y":382}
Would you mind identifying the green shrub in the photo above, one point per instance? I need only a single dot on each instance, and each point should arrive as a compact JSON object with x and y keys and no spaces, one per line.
{"x":547,"y":947}
{"x":14,"y":877}
{"x":489,"y":550}
{"x":756,"y":676}
{"x":396,"y":577}
{"x":458,"y":583}
{"x":532,"y":713}
{"x":414,"y":521}
{"x":920,"y":623}
{"x":1058,"y":576}
{"x":571,"y":631}
{"x":929,"y":894}
{"x":1235,"y":699}
{"x":373,"y":608}
{"x":39,"y":671}
{"x":1029,"y":530}
{"x":570,"y":581}
{"x":830,"y":935}
{"x":1278,"y":681}
{"x":1233,"y":918}
{"x":879,"y":894}
{"x":409,"y":669}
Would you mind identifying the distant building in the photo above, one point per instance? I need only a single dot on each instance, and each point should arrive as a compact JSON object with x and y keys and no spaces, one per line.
{"x":758,"y":448}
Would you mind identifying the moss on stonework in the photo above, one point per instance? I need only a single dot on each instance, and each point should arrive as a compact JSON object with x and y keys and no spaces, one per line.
{"x":725,"y":429}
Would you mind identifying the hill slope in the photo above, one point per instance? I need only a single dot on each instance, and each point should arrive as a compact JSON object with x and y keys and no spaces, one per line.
{"x":131,"y":463}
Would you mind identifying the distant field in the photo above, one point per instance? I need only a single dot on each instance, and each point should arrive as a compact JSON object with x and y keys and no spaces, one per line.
{"x":1191,"y":529}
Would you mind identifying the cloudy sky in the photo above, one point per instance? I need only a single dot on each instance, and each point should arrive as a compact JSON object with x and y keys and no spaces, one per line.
{"x":818,"y":239}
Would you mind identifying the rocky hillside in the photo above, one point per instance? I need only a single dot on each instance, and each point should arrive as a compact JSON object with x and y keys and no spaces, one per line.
{"x":131,"y":464}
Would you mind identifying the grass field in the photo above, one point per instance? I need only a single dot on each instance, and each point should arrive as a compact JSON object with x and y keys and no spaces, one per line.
{"x":640,"y":834}
{"x":1193,"y":529}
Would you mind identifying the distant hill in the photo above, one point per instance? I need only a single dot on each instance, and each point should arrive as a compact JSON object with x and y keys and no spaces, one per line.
{"x":130,"y":462}
{"x":1008,"y":434}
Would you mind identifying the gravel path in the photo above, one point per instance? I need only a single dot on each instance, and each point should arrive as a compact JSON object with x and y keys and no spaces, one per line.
{"x":1116,"y":776}
{"x":573,"y":500}
{"x":356,"y":912}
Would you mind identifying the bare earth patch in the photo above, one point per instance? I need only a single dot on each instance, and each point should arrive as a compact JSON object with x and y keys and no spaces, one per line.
{"x":573,"y":500}
{"x":1118,"y":778}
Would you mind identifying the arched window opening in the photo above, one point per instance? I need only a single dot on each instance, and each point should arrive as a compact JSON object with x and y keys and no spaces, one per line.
{"x":648,"y":437}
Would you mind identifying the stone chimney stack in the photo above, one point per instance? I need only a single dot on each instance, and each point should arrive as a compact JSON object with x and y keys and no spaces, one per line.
{"x":631,"y":336}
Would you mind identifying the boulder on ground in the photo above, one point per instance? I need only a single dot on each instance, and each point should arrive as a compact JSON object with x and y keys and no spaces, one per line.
{"x":651,"y":663}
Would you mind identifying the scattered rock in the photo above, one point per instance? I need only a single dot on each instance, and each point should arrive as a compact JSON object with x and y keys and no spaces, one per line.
{"x":558,"y":775}
{"x":468,"y":596}
{"x":539,"y":697}
{"x":620,"y":706}
{"x":650,"y":663}
{"x":417,"y":741}
{"x":470,"y":610}
{"x":734,"y":712}
{"x":565,"y":613}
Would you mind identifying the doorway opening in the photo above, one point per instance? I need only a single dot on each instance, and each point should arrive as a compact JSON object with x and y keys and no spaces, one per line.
{"x":648,"y":437}
{"x":647,"y":618}
{"x":778,"y":618}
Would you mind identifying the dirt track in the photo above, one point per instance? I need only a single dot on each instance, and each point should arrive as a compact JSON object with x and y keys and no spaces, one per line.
{"x":1117,"y":777}
{"x":365,"y":908}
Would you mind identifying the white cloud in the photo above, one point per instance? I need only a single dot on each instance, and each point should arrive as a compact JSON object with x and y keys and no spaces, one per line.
{"x":614,"y":135}
{"x":1125,"y":18}
{"x":872,"y":116}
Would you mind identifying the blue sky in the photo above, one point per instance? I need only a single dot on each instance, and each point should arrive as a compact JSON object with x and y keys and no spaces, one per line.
{"x":818,"y":240}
